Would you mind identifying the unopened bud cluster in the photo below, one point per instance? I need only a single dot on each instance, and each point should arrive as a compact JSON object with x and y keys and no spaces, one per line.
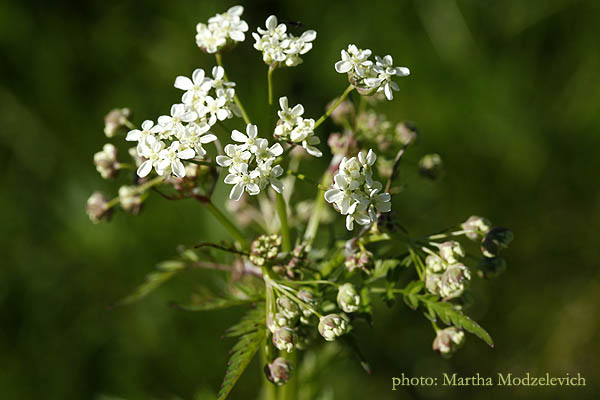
{"x":448,"y":341}
{"x":445,"y":275}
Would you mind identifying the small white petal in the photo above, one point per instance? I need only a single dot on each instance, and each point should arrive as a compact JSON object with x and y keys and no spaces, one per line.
{"x":236,"y":192}
{"x":183,"y":83}
{"x":144,"y":169}
{"x":238,"y":136}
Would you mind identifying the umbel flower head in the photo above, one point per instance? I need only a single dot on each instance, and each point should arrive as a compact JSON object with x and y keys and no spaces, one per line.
{"x":280,"y":48}
{"x":369,"y":77}
{"x":292,"y":127}
{"x":222,"y":30}
{"x":250,"y":163}
{"x":355,"y":193}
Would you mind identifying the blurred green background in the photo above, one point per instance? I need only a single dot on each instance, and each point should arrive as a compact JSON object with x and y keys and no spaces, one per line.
{"x":508,"y":92}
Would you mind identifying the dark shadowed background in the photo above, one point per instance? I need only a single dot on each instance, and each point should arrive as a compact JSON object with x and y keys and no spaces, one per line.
{"x":507,"y":92}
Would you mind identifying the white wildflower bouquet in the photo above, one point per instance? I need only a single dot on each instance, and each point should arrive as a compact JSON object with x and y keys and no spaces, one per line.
{"x":300,"y":291}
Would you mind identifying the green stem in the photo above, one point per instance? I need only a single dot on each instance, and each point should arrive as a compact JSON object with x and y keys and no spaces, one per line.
{"x":304,"y":178}
{"x":138,"y":190}
{"x":286,"y":244}
{"x":233,"y":230}
{"x":235,"y":97}
{"x":270,"y":84}
{"x":315,"y":218}
{"x":334,"y":106}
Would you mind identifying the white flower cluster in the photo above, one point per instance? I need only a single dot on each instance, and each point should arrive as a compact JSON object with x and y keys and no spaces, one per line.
{"x":354,"y":192}
{"x":369,"y":77}
{"x":445,"y":276}
{"x":292,"y":127}
{"x":222,"y":29}
{"x":279,"y":47}
{"x":252,"y":151}
{"x":182,"y":134}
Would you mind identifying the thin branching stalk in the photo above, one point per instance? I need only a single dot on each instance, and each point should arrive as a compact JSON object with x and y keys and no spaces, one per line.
{"x":233,"y":230}
{"x":334,"y":106}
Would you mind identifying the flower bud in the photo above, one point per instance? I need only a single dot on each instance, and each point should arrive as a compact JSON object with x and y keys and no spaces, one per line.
{"x":435,"y":263}
{"x":448,"y":341}
{"x":288,"y":308}
{"x":451,"y":251}
{"x":106,"y":161}
{"x":476,"y":227}
{"x":114,"y":120}
{"x":130,"y":199}
{"x":333,"y":325}
{"x":452,"y":283}
{"x":431,"y":166}
{"x":491,"y":267}
{"x":284,"y":339}
{"x":264,"y":248}
{"x":279,"y":371}
{"x":347,"y":298}
{"x":496,"y":240}
{"x":97,"y":208}
{"x":406,"y":132}
{"x":362,"y":260}
{"x":433,"y":282}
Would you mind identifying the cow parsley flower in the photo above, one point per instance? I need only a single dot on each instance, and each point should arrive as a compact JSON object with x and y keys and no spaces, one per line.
{"x":385,"y":71}
{"x":354,"y":192}
{"x":280,"y":48}
{"x":150,"y":150}
{"x":250,"y":163}
{"x":195,"y":135}
{"x":143,"y":135}
{"x":292,"y":127}
{"x":171,"y":124}
{"x":369,"y":77}
{"x":221,"y":30}
{"x":170,"y":159}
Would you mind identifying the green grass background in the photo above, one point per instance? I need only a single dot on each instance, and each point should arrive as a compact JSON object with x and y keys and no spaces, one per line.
{"x":507,"y":91}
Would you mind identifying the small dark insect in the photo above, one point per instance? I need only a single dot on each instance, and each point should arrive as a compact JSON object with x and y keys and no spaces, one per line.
{"x":293,"y":24}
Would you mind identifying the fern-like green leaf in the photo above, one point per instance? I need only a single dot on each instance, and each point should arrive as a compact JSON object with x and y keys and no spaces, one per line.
{"x":251,"y":331}
{"x":451,"y":316}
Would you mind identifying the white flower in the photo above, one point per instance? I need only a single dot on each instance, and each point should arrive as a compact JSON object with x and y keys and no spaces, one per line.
{"x":173,"y":123}
{"x":222,"y":29}
{"x":354,"y":192}
{"x":280,"y":48}
{"x":151,"y":152}
{"x":209,"y":40}
{"x":236,"y":155}
{"x":268,"y":174}
{"x":216,"y":109}
{"x":199,"y":84}
{"x":289,"y":116}
{"x":242,"y":180}
{"x":347,"y":298}
{"x":218,"y":80}
{"x":354,"y":61}
{"x":250,"y":163}
{"x":170,"y":159}
{"x":141,"y":136}
{"x":249,"y":140}
{"x":196,"y":135}
{"x":385,"y":71}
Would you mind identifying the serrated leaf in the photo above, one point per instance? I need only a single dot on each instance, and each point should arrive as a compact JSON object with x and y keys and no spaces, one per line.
{"x":216,"y":304}
{"x":449,"y":315}
{"x":167,"y":270}
{"x":251,"y":331}
{"x":414,"y":287}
